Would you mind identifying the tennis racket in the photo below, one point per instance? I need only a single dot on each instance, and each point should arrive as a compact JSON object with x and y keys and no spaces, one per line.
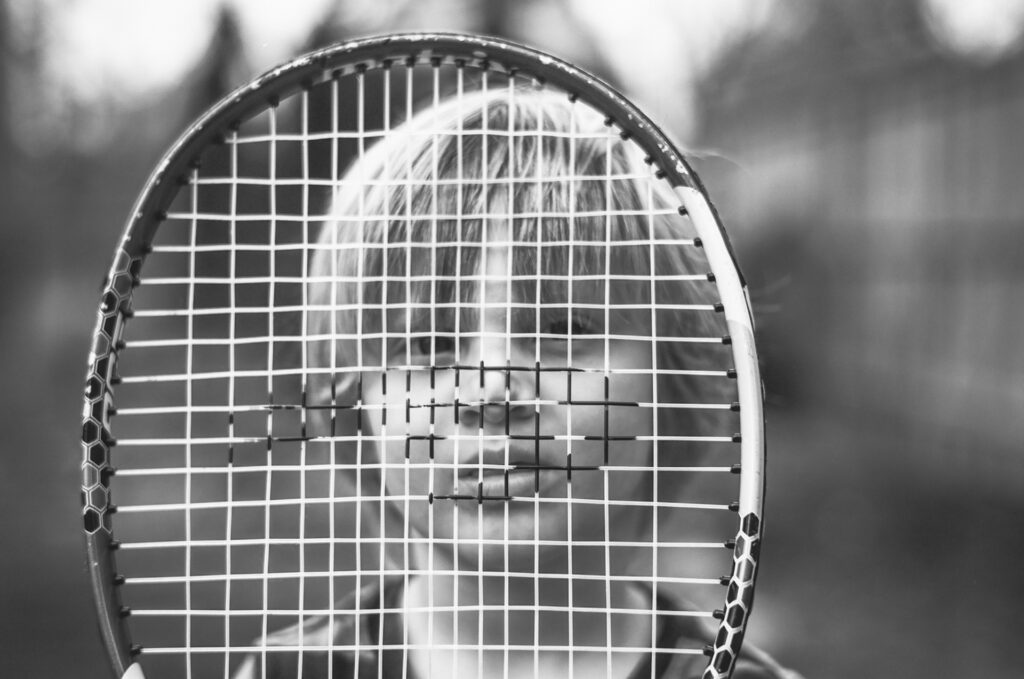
{"x":423,"y":355}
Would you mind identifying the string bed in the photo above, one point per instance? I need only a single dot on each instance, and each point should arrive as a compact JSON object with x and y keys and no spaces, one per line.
{"x":426,"y":367}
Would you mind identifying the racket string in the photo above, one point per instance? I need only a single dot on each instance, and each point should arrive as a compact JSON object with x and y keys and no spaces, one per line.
{"x":335,"y":419}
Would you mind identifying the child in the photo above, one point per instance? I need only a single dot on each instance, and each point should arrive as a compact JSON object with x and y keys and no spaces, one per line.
{"x":493,"y":319}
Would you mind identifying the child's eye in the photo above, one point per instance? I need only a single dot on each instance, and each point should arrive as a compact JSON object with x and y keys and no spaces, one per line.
{"x":441,"y":345}
{"x":574,"y":326}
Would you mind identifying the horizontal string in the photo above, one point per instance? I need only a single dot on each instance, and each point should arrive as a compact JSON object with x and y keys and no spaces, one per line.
{"x":342,"y":370}
{"x":369,"y":574}
{"x":411,"y":540}
{"x":276,"y":407}
{"x":247,"y":469}
{"x":400,"y":245}
{"x":187,"y":218}
{"x":398,"y":497}
{"x":342,"y":614}
{"x":313,"y":648}
{"x":425,"y":132}
{"x":368,"y":278}
{"x":400,"y":182}
{"x":227,"y":440}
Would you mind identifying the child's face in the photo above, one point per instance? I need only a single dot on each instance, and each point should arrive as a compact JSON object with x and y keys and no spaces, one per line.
{"x":509,"y":423}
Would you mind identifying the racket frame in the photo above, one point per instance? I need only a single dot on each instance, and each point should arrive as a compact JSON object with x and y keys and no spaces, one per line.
{"x":322,"y":66}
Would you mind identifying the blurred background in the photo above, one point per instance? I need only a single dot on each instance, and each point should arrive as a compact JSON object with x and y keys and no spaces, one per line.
{"x":865,"y":157}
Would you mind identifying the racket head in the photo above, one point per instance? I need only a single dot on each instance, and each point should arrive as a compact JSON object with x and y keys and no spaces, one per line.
{"x":319,"y":71}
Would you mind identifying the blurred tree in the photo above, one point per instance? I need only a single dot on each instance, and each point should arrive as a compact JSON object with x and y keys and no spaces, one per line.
{"x":876,"y":178}
{"x":5,"y":103}
{"x":222,"y":68}
{"x":496,"y":17}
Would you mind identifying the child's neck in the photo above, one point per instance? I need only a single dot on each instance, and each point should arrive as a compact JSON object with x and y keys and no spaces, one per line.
{"x":528,"y":614}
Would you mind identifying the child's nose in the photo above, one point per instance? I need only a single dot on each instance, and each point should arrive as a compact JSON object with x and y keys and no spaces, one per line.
{"x":501,"y":386}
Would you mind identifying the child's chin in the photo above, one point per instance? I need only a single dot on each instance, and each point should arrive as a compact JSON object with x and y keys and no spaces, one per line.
{"x":515,"y":542}
{"x":513,"y":559}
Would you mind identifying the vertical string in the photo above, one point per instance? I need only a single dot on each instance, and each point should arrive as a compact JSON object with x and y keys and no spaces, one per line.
{"x":511,"y":237}
{"x":482,"y":273}
{"x":539,"y":178}
{"x":361,"y":302}
{"x":304,"y":152}
{"x":407,"y":491}
{"x":432,"y":363}
{"x":570,"y":276}
{"x":649,"y":184}
{"x":607,"y":396}
{"x":232,"y":290}
{"x":409,"y":76}
{"x":272,"y":172}
{"x":333,"y":334}
{"x":459,"y":174}
{"x":382,"y":500}
{"x":194,"y":191}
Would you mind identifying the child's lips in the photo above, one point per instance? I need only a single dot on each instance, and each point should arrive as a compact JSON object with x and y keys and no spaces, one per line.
{"x":508,"y":483}
{"x":525,"y":475}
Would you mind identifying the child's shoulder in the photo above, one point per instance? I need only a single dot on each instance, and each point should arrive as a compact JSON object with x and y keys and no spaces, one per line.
{"x":343,"y":628}
{"x":681,"y":631}
{"x":322,"y":630}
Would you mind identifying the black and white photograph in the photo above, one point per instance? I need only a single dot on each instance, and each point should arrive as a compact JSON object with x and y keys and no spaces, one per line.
{"x":418,"y":339}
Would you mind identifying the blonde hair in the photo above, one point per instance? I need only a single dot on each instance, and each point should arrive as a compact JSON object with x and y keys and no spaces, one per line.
{"x":536,"y":160}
